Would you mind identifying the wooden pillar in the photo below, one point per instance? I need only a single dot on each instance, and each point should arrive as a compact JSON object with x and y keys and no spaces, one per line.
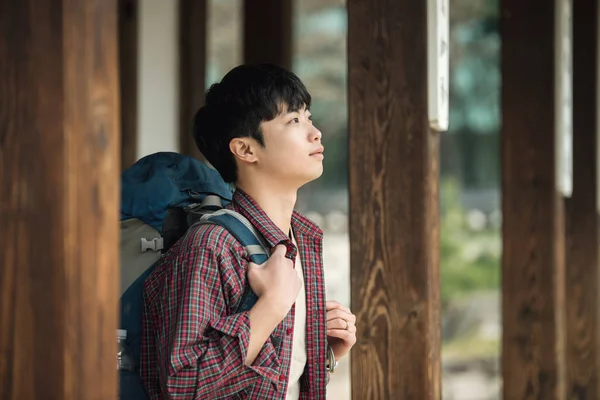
{"x":128,"y":74}
{"x":192,"y":70}
{"x":59,"y":191}
{"x":533,"y":305}
{"x":268,"y":32}
{"x":582,"y":266}
{"x":394,"y":220}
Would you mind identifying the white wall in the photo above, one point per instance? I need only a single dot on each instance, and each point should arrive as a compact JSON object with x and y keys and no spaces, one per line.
{"x":158,"y":93}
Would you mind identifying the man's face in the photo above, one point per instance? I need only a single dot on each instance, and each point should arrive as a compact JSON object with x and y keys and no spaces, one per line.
{"x":293,"y":152}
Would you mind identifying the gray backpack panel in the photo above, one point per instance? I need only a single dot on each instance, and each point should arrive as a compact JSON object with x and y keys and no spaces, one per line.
{"x":136,"y":235}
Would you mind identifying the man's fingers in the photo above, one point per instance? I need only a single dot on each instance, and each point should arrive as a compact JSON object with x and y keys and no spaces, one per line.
{"x":332,"y":305}
{"x":339,"y":323}
{"x":343,"y":334}
{"x":351,"y":329}
{"x":337,"y":313}
{"x":251,"y":265}
{"x":280,"y":250}
{"x":333,"y":314}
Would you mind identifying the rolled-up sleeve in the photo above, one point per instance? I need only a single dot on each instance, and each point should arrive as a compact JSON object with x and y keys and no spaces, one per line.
{"x":202,"y":350}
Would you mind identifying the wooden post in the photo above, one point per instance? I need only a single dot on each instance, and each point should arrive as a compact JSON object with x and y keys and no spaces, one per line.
{"x":128,"y":74}
{"x":268,"y":32}
{"x":192,"y":67}
{"x":394,"y":219}
{"x":59,"y":191}
{"x":582,"y":266}
{"x":533,"y":304}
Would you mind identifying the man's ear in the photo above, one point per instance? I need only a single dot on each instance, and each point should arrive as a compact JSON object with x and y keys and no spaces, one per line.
{"x":244,"y":149}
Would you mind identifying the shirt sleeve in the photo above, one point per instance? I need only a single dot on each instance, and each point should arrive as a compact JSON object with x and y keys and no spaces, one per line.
{"x":206,"y":348}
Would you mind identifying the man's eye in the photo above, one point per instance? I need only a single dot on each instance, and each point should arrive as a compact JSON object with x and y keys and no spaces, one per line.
{"x":294,"y":121}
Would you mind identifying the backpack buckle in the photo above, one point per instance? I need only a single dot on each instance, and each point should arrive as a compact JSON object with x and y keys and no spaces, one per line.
{"x":155,"y":244}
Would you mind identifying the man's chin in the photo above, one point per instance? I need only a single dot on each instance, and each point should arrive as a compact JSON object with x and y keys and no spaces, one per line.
{"x":313,"y":177}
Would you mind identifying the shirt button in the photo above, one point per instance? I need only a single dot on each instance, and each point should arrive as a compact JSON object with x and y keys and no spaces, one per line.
{"x":282,"y":377}
{"x":289,"y":331}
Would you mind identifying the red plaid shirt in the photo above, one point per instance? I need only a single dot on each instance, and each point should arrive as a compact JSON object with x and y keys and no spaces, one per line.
{"x":194,"y":344}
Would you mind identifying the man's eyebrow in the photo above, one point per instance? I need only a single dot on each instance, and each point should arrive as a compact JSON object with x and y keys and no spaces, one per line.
{"x":287,"y":111}
{"x":297,"y":110}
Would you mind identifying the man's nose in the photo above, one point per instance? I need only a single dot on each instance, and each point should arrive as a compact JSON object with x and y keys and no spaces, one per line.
{"x":315,"y":134}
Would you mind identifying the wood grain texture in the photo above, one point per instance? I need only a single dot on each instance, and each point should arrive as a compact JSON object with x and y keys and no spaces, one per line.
{"x":268,"y":32}
{"x":582,"y":265}
{"x":533,"y":307}
{"x":192,"y":70}
{"x":394,"y":219}
{"x":128,"y":78}
{"x":59,"y":158}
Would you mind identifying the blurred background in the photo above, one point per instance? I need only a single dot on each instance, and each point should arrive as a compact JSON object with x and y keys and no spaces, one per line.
{"x":470,"y":160}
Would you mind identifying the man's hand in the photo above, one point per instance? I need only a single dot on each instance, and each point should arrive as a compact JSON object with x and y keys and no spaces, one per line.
{"x":276,"y":280}
{"x":276,"y":283}
{"x":341,"y":328}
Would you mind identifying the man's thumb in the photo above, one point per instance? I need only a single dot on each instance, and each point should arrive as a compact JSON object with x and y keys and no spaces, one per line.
{"x":279,"y":250}
{"x":252,"y":265}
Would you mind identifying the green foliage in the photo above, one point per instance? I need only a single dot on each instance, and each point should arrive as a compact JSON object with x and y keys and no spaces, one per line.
{"x":470,"y":259}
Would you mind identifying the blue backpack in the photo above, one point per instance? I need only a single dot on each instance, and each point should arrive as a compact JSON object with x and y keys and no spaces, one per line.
{"x":162,"y":196}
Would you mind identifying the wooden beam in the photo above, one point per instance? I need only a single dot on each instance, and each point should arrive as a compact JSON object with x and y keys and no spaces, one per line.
{"x":533,"y":307}
{"x":59,"y":195}
{"x":268,"y":32}
{"x":192,"y":70}
{"x":394,"y":220}
{"x":128,"y":78}
{"x":583,"y":263}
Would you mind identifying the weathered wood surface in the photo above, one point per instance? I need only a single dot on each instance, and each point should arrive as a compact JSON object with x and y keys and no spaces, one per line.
{"x":533,"y":275}
{"x":582,"y":265}
{"x":394,"y":221}
{"x":128,"y":78}
{"x":59,"y":165}
{"x":192,"y":70}
{"x":268,"y":32}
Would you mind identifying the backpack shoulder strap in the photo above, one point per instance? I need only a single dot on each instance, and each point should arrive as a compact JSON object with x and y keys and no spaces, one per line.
{"x":246,"y":234}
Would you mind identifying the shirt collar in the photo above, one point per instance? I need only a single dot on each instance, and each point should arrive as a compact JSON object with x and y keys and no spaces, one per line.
{"x":247,"y":206}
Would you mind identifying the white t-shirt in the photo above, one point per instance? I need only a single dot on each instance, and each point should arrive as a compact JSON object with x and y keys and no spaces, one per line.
{"x":299,"y":340}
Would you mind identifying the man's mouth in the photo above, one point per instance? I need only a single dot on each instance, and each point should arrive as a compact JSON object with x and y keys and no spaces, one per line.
{"x":319,"y":152}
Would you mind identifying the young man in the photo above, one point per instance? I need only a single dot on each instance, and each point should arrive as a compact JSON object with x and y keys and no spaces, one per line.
{"x":256,"y":130}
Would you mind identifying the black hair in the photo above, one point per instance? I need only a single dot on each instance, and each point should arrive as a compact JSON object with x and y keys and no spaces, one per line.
{"x":235,"y":107}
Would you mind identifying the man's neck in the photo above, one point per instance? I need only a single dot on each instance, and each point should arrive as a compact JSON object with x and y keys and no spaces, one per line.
{"x":277,"y":203}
